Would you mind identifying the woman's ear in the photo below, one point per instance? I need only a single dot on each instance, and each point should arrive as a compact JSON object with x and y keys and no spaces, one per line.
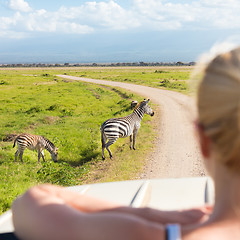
{"x":205,"y":142}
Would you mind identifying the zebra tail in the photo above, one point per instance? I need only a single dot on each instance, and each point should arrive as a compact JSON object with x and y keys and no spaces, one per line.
{"x":15,"y":141}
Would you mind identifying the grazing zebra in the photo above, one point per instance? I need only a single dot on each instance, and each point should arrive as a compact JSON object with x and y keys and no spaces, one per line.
{"x":115,"y":128}
{"x":34,"y":142}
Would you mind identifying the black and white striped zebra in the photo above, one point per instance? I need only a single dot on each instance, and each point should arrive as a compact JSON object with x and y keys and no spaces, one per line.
{"x":115,"y":128}
{"x":34,"y":142}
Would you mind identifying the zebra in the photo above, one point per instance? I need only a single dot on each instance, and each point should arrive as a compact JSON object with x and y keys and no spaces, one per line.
{"x":34,"y":142}
{"x":122,"y":127}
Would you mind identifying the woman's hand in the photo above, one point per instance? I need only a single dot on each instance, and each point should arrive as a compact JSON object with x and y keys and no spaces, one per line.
{"x":194,"y":215}
{"x":184,"y":217}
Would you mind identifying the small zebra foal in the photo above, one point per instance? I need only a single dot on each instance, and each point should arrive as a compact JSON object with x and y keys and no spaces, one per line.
{"x":34,"y":142}
{"x":115,"y":128}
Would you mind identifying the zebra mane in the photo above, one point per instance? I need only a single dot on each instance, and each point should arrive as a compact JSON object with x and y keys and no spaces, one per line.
{"x":49,"y":142}
{"x":137,"y":106}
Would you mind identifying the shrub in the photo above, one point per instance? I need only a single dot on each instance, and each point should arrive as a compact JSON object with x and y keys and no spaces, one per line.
{"x":34,"y":110}
{"x":2,"y":82}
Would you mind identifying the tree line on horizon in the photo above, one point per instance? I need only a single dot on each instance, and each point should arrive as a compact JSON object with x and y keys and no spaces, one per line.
{"x":119,"y":64}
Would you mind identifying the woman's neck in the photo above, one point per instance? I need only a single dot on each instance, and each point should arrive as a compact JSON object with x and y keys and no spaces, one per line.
{"x":224,"y":222}
{"x":227,"y":194}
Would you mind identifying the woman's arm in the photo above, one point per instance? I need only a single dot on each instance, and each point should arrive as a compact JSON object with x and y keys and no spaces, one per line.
{"x":43,"y":214}
{"x":89,"y":204}
{"x":51,"y":209}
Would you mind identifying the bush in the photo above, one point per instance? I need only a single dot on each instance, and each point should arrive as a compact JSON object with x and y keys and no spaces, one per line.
{"x":173,"y":85}
{"x":2,"y":82}
{"x":34,"y":110}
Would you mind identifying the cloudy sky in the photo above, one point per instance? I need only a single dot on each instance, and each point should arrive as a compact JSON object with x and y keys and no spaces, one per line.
{"x":114,"y":30}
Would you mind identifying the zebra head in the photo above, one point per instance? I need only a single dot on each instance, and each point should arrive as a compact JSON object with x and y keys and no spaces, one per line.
{"x":54,"y":154}
{"x":146,"y":108}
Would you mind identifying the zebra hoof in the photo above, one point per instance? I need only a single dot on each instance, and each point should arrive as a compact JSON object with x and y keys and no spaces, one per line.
{"x":103,"y":158}
{"x":134,"y":148}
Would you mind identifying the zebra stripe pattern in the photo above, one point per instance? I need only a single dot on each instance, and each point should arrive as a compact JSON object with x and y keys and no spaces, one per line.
{"x":115,"y":128}
{"x":34,"y":142}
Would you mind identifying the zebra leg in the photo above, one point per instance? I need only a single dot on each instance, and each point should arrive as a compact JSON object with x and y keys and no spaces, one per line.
{"x":39,"y":155}
{"x":20,"y":155}
{"x":108,"y":144}
{"x":103,"y":139}
{"x":107,"y":147}
{"x":16,"y":155}
{"x":42,"y":153}
{"x":130,"y":141}
{"x":134,"y":138}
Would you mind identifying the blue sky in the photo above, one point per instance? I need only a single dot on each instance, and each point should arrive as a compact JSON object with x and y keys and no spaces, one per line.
{"x":114,"y":30}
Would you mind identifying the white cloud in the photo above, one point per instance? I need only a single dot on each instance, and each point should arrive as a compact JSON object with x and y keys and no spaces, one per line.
{"x":19,"y":5}
{"x":202,"y":14}
{"x":102,"y":14}
{"x":163,"y":15}
{"x":93,"y":16}
{"x":76,"y":20}
{"x":7,"y":23}
{"x":43,"y":21}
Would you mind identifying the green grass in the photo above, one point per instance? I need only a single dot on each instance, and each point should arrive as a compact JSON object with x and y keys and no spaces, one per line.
{"x":70,"y":114}
{"x":171,"y":78}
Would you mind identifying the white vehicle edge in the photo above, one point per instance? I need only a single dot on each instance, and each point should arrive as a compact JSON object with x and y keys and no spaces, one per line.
{"x":164,"y":194}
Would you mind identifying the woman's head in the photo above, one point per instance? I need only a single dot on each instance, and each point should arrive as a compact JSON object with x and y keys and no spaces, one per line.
{"x":219,"y":106}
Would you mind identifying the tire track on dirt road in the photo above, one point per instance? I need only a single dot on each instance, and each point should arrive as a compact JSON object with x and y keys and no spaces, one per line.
{"x":176,"y":152}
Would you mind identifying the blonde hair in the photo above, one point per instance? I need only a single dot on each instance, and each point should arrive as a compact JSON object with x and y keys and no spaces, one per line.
{"x":218,"y":104}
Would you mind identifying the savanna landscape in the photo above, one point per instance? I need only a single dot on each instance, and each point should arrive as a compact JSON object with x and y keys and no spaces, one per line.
{"x":70,"y":113}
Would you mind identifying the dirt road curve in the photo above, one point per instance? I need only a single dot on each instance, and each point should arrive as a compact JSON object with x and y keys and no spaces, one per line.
{"x":176,"y":153}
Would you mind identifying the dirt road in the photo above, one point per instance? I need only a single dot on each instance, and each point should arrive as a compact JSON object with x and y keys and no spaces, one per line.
{"x":176,"y":153}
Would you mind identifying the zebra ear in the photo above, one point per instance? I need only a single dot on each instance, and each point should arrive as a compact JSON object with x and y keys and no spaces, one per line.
{"x":148,"y":101}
